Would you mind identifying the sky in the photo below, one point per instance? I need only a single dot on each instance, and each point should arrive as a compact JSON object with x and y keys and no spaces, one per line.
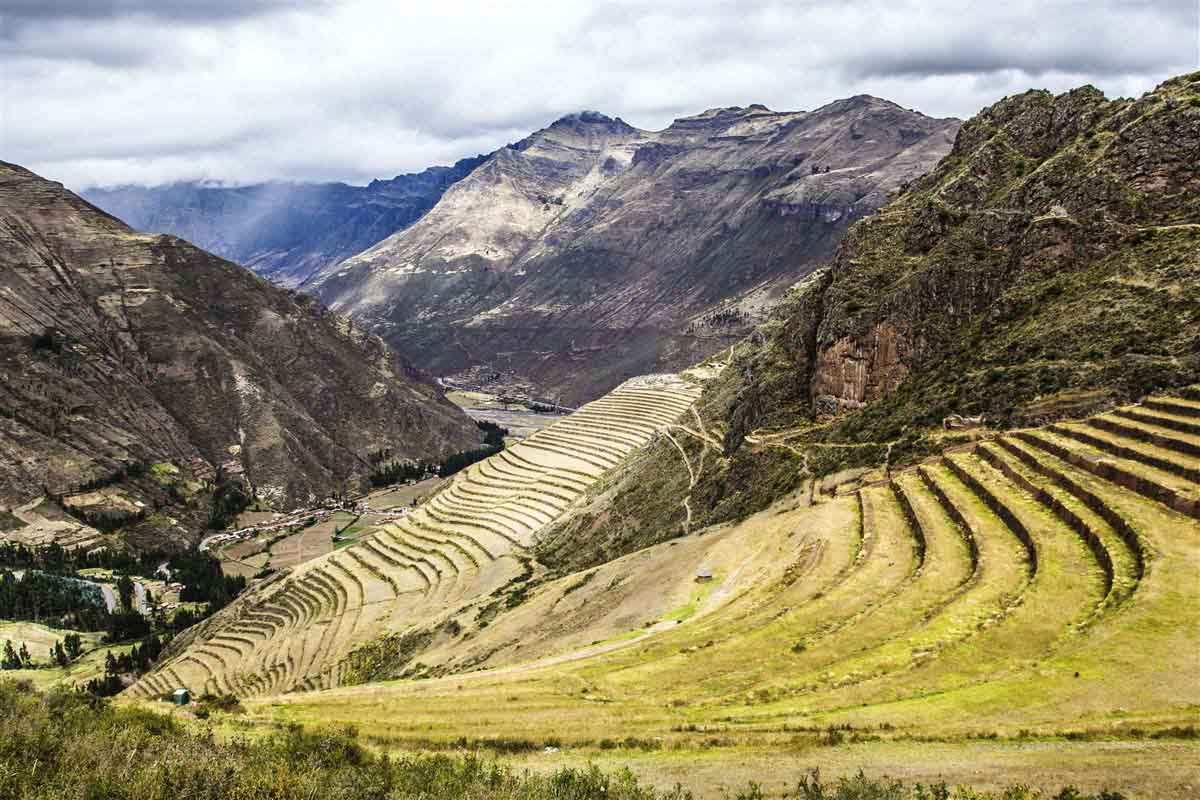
{"x":105,"y":92}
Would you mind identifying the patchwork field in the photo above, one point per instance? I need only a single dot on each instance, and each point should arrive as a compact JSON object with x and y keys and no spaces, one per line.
{"x":446,"y":557}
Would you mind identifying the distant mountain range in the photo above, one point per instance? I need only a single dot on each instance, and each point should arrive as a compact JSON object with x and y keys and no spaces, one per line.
{"x":282,"y":231}
{"x":140,"y":374}
{"x":588,"y":252}
{"x":592,"y":250}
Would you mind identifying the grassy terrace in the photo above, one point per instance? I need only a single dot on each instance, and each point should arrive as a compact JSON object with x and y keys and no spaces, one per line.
{"x":1027,"y":605}
{"x":444,"y":560}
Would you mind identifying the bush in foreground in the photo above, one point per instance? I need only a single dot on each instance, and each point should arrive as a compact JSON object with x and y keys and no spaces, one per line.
{"x":66,"y":744}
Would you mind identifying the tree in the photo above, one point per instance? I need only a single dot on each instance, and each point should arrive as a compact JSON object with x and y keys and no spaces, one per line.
{"x":74,"y":645}
{"x":110,"y":664}
{"x":125,"y":589}
{"x":10,"y":659}
{"x":26,"y":660}
{"x":59,"y":655}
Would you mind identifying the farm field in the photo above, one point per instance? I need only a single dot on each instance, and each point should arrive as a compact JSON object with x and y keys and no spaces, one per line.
{"x":40,"y":638}
{"x":1027,"y":604}
{"x":393,"y":497}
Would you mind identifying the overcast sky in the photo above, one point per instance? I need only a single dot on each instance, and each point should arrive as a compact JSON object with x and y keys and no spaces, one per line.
{"x":98,"y":92}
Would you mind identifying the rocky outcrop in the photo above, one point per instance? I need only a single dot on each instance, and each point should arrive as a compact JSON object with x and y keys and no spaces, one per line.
{"x":283,"y":231}
{"x":147,"y":368}
{"x":592,"y":250}
{"x":856,"y":371}
{"x":1049,"y":256}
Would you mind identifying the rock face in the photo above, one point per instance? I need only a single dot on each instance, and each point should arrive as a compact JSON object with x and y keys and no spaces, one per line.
{"x":1050,"y":257}
{"x":282,"y":231}
{"x":592,"y":250}
{"x":150,"y":369}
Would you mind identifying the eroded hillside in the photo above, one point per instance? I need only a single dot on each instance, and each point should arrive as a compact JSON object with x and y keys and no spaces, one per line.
{"x":140,"y":372}
{"x":592,"y":251}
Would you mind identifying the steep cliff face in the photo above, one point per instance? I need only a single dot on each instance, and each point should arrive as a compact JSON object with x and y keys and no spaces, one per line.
{"x":154,"y":370}
{"x":1049,"y":265}
{"x":283,"y":231}
{"x":593,"y":250}
{"x":1052,"y":253}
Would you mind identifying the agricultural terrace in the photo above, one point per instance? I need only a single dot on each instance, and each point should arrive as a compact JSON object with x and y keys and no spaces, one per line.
{"x":1028,"y":604}
{"x":294,"y":632}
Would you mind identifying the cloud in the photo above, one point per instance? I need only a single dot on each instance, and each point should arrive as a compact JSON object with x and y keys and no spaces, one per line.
{"x":145,"y":91}
{"x":19,"y":11}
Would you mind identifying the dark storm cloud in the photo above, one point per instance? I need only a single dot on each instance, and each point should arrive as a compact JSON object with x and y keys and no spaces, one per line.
{"x":108,"y":91}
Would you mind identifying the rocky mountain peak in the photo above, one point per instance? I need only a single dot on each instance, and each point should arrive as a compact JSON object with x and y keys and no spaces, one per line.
{"x":592,"y":250}
{"x":587,"y":117}
{"x":589,"y":129}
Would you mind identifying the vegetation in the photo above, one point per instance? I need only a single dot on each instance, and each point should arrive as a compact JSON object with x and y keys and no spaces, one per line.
{"x":387,"y":472}
{"x":230,"y":499}
{"x":60,"y":745}
{"x":42,"y":597}
{"x":204,"y":581}
{"x":57,"y":560}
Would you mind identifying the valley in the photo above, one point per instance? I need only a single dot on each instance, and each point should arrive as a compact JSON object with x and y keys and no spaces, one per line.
{"x":849,"y":453}
{"x":983,"y":608}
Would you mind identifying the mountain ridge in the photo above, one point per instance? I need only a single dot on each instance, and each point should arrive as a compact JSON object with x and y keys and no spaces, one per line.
{"x":1044,"y":269}
{"x":597,"y":244}
{"x":142,"y":374}
{"x":283,"y":230}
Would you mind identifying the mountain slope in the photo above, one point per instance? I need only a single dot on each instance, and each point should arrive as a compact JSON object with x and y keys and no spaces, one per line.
{"x":592,"y":250}
{"x":282,"y":231}
{"x":150,"y":369}
{"x":1047,"y":267}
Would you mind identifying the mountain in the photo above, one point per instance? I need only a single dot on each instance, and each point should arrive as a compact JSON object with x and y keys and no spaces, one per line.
{"x":592,"y":250}
{"x":140,"y":373}
{"x":1046,"y":268}
{"x":282,"y":231}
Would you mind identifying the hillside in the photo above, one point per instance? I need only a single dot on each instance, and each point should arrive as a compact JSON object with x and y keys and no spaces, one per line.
{"x":283,"y":231}
{"x":140,"y":374}
{"x":592,"y":251}
{"x":1028,"y":605}
{"x":1045,"y":268}
{"x":710,"y":576}
{"x":465,"y":554}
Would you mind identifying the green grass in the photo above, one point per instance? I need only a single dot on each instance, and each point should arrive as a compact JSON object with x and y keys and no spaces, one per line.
{"x":39,"y":639}
{"x":889,"y":657}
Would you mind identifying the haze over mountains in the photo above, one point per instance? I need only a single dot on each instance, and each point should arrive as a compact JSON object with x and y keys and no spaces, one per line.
{"x":282,"y":231}
{"x":591,"y":250}
{"x":146,"y":372}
